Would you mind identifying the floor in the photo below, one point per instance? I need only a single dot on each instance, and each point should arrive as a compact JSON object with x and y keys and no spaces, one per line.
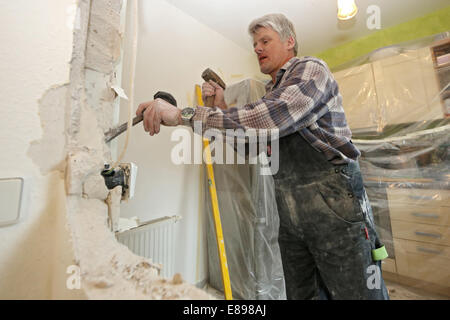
{"x":401,"y":292}
{"x":396,"y":292}
{"x":215,"y":293}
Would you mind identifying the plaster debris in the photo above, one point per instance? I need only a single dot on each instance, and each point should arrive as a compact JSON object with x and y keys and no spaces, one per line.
{"x":177,"y":279}
{"x":127,"y":224}
{"x":120,"y":92}
{"x":103,"y":283}
{"x":108,"y":269}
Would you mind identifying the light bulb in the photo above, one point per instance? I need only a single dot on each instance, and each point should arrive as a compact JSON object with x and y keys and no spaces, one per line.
{"x":346,"y":9}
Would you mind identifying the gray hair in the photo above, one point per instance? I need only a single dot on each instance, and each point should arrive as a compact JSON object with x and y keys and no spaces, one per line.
{"x":279,"y":23}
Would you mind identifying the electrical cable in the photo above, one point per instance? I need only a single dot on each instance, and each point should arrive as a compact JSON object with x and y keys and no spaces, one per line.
{"x":132,"y":77}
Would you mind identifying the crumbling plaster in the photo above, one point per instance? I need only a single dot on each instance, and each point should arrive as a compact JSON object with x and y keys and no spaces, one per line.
{"x":34,"y":62}
{"x":76,"y":148}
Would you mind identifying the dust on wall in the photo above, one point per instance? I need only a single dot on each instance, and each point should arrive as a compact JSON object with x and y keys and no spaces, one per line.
{"x":76,"y":148}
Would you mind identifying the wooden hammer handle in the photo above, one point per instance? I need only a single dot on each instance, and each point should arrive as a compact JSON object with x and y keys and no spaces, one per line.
{"x":209,"y":102}
{"x":208,"y":75}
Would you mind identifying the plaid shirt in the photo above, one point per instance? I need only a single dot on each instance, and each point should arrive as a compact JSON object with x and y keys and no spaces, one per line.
{"x":305,"y":99}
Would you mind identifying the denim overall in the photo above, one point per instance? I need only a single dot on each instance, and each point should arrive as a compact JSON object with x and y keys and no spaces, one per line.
{"x":326,"y":230}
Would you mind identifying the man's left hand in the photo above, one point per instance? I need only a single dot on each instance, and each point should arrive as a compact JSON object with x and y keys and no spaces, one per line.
{"x":212,"y":89}
{"x":158,"y":112}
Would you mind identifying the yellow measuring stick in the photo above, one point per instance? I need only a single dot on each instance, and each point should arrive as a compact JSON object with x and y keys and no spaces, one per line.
{"x":216,"y":213}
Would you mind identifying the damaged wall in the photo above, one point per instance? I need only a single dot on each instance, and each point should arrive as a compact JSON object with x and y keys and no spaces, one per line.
{"x":35,"y":65}
{"x":108,"y":269}
{"x":57,"y":105}
{"x":174,"y":49}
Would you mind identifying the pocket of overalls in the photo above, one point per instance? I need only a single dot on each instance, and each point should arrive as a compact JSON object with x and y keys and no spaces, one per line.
{"x":337,"y":194}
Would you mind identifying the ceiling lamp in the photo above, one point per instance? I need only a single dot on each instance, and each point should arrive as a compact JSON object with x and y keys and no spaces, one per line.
{"x":346,"y":9}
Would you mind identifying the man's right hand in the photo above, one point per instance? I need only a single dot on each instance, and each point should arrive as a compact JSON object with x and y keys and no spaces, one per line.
{"x":213,"y":89}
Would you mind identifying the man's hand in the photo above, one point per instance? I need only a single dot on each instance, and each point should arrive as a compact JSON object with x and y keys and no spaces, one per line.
{"x":158,"y":112}
{"x":213,"y":89}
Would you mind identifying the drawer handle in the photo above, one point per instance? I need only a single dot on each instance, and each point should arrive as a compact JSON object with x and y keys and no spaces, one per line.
{"x":429,"y":250}
{"x":425,"y":215}
{"x":426,"y":234}
{"x":422,"y":197}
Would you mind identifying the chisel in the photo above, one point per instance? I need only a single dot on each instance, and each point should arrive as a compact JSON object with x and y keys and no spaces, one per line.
{"x":114,"y":132}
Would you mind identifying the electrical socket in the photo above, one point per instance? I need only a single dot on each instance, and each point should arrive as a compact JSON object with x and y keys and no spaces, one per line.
{"x":130,"y":175}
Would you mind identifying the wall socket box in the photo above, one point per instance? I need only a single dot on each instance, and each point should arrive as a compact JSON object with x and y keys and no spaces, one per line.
{"x":12,"y":200}
{"x":130,"y":170}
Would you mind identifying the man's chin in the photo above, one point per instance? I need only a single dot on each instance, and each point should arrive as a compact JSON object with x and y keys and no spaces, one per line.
{"x":264,"y":70}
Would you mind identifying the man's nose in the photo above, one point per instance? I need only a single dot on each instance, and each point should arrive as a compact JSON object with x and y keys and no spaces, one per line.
{"x":258,"y":49}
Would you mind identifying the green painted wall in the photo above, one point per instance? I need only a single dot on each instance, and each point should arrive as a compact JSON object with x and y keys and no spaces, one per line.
{"x":433,"y":23}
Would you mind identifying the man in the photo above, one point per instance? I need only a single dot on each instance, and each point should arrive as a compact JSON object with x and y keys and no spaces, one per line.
{"x":326,"y":233}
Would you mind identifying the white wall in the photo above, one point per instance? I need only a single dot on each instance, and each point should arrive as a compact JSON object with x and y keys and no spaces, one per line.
{"x":174,"y":49}
{"x":35,"y":53}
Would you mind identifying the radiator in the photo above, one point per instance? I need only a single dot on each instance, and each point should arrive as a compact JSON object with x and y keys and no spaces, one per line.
{"x":153,"y":240}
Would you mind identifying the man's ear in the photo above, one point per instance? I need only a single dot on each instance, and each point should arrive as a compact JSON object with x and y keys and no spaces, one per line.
{"x":291,"y":42}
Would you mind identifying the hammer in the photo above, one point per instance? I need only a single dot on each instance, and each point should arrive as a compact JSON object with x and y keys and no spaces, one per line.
{"x":114,"y":132}
{"x":207,"y":75}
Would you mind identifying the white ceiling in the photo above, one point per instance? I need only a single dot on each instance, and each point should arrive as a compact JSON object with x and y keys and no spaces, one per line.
{"x":317,"y":26}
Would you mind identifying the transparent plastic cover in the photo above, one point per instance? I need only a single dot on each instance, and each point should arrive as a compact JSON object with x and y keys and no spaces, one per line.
{"x":249,"y":219}
{"x":397,"y":103}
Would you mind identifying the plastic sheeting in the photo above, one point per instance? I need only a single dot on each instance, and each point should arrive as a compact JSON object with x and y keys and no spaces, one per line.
{"x":397,"y":102}
{"x":249,"y":219}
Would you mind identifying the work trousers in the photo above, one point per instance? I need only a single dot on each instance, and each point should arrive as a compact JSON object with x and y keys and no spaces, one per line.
{"x":327,"y":232}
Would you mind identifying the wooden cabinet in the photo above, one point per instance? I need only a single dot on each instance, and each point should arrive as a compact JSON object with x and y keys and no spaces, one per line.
{"x":440,"y":54}
{"x":386,"y":96}
{"x":423,"y":261}
{"x":401,"y":88}
{"x":389,"y":265}
{"x":360,"y":102}
{"x":421,"y":231}
{"x":431,"y":214}
{"x":435,"y":103}
{"x":421,"y":197}
{"x":393,"y":90}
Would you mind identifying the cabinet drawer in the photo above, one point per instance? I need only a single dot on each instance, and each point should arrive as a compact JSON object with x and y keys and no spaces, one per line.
{"x":388,"y":265}
{"x":422,"y":197}
{"x":420,"y":232}
{"x":427,"y":262}
{"x":420,"y":214}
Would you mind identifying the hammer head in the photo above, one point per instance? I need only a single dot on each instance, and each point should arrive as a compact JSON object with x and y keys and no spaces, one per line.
{"x":165,"y":96}
{"x":208,"y":74}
